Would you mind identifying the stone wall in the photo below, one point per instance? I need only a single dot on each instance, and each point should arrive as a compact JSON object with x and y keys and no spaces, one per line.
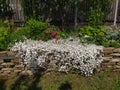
{"x":10,"y":63}
{"x":111,"y":59}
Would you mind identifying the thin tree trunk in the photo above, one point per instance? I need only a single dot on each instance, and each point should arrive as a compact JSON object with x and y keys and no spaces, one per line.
{"x":116,"y":11}
{"x":75,"y":18}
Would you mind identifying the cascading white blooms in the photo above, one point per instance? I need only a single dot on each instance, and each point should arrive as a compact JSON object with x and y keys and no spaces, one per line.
{"x":61,"y":54}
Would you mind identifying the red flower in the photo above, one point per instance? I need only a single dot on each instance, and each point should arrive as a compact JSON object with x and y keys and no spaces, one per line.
{"x":47,"y":32}
{"x":56,"y":38}
{"x":41,"y":39}
{"x":53,"y":34}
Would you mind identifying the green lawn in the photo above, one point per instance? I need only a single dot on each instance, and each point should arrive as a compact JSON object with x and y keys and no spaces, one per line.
{"x":61,"y":81}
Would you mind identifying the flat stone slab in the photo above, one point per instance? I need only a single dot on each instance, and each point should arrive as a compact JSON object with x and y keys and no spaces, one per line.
{"x":108,"y":51}
{"x":7,"y":69}
{"x":106,"y":59}
{"x":116,"y":55}
{"x":117,"y":67}
{"x":117,"y":50}
{"x":7,"y":58}
{"x":115,"y":60}
{"x":7,"y":72}
{"x":3,"y":53}
{"x":7,"y":64}
{"x":17,"y":71}
{"x":1,"y":61}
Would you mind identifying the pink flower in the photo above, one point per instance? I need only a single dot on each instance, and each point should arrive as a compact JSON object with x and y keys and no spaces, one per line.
{"x":53,"y":34}
{"x":56,"y":38}
{"x":41,"y":39}
{"x":48,"y":32}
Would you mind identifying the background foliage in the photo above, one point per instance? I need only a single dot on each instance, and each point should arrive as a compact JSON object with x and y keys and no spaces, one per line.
{"x":5,"y":10}
{"x":62,"y":12}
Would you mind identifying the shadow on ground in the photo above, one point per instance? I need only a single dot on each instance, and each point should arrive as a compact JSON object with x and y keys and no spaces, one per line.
{"x":65,"y":86}
{"x":25,"y":82}
{"x":2,"y":84}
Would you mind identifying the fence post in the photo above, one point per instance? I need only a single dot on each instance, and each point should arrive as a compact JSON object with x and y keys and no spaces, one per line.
{"x":76,"y":12}
{"x":116,"y":11}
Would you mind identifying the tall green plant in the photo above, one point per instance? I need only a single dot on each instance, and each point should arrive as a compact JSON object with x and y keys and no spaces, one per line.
{"x":4,"y":39}
{"x":95,"y":11}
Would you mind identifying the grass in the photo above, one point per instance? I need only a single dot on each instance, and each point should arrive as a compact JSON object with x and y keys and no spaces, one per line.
{"x":61,"y":81}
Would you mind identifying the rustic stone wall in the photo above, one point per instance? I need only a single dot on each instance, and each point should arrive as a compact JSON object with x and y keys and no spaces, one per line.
{"x":10,"y":63}
{"x":111,"y":59}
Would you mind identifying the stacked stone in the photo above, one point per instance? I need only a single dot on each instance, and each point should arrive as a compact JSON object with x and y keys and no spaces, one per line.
{"x":111,"y":59}
{"x":9,"y":63}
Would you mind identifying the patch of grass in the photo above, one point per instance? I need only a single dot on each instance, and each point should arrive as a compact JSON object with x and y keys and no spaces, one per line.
{"x":60,"y":81}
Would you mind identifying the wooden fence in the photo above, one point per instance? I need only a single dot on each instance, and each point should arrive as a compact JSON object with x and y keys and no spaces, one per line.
{"x":18,"y":16}
{"x":110,"y":17}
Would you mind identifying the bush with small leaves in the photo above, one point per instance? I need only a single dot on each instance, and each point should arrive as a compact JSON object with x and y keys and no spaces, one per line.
{"x":63,"y":54}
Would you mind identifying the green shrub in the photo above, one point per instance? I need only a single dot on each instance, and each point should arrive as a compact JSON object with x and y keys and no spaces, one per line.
{"x":4,"y":38}
{"x":40,"y":30}
{"x":1,"y":23}
{"x":6,"y":30}
{"x":112,"y":38}
{"x":95,"y":11}
{"x":113,"y":34}
{"x":91,"y":34}
{"x":111,"y":43}
{"x":19,"y":35}
{"x":95,"y":18}
{"x":36,"y":28}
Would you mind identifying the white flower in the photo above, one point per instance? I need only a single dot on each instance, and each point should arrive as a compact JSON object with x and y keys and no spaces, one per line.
{"x":65,"y":54}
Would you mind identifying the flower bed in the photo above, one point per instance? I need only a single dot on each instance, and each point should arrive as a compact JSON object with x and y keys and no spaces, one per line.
{"x":62,"y":54}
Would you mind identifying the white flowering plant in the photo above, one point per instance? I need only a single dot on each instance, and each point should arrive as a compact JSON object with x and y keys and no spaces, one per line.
{"x":62,"y":54}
